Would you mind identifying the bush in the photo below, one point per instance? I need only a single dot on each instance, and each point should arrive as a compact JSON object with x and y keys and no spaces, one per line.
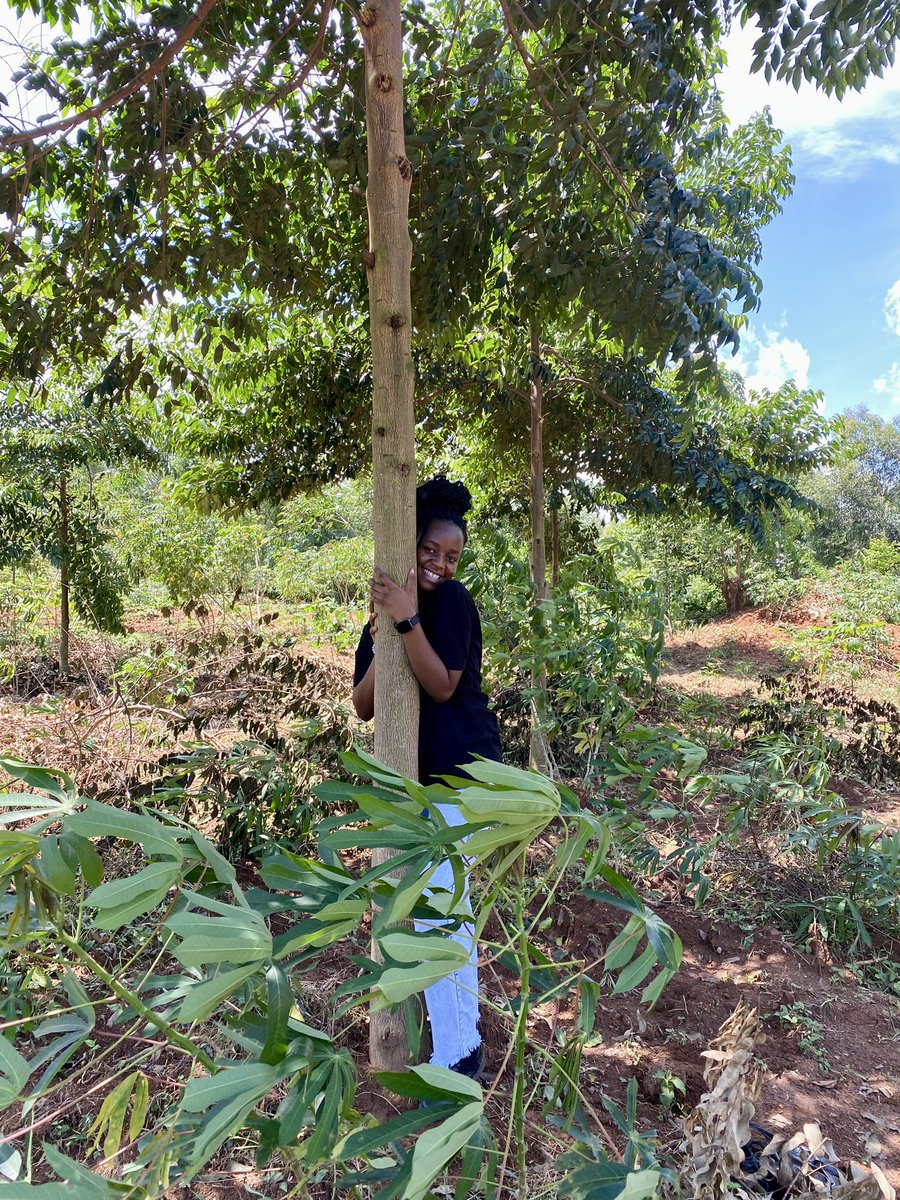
{"x":595,"y":642}
{"x":702,"y":600}
{"x":338,"y":572}
{"x":880,"y":555}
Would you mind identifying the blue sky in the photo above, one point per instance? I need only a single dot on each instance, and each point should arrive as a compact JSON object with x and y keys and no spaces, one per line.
{"x":830,"y":311}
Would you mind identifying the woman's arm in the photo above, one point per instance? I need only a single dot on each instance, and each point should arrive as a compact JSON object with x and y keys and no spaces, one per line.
{"x":364,"y":691}
{"x":428,"y":667}
{"x":400,"y":603}
{"x":364,"y":694}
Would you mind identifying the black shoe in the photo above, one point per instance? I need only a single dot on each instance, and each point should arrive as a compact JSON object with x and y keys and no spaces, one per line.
{"x":472,"y":1065}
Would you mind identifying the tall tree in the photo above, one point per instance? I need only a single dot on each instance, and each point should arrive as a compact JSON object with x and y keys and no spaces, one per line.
{"x":388,"y":261}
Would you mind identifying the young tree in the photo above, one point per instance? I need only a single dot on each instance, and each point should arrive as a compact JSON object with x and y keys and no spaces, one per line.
{"x":50,"y":509}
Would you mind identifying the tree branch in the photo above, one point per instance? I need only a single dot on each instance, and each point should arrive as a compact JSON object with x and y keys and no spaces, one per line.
{"x":532,"y":67}
{"x":64,"y":124}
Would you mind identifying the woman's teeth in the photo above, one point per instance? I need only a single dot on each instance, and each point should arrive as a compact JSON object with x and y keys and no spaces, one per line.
{"x":430,"y":575}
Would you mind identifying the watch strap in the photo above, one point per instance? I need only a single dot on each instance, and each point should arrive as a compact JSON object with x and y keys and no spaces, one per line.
{"x":408,"y":624}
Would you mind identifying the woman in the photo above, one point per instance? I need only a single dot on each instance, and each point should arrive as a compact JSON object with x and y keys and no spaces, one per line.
{"x":442,"y":638}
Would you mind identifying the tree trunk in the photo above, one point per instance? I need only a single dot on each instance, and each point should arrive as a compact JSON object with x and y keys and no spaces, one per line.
{"x":538,"y":519}
{"x":554,"y":548}
{"x":63,"y":579}
{"x":388,"y":262}
{"x":734,"y":590}
{"x":538,"y":754}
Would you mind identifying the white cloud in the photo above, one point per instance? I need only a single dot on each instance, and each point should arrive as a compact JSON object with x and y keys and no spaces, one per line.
{"x":841,"y":136}
{"x":889,"y":383}
{"x":892,"y":308}
{"x":770,"y":360}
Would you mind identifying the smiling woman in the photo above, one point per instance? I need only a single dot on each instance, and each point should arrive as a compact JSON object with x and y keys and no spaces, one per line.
{"x":442,"y":639}
{"x":441,"y":636}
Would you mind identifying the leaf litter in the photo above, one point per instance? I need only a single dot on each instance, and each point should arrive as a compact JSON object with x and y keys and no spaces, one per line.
{"x":725,"y":1153}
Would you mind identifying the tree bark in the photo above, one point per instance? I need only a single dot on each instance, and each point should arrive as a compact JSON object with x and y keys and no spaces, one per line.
{"x":538,"y":518}
{"x":554,"y":548}
{"x":734,"y":590}
{"x":539,"y":753}
{"x":64,"y":621}
{"x":388,"y":263}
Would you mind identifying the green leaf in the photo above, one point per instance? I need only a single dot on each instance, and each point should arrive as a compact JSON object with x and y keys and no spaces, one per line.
{"x":102,"y":820}
{"x":14,"y":1072}
{"x":203,"y":999}
{"x":44,"y":779}
{"x":362,"y":1142}
{"x":422,"y":947}
{"x":10,"y":1162}
{"x":654,"y":989}
{"x":139,"y":1107}
{"x":280,"y":1004}
{"x":73,"y":1029}
{"x":26,"y":807}
{"x":624,"y":946}
{"x":606,"y":1181}
{"x":448,"y":1081}
{"x":222,"y":868}
{"x":437,"y":1148}
{"x":122,"y":900}
{"x":364,"y":764}
{"x":251,"y":1078}
{"x":238,"y":936}
{"x":515,"y":779}
{"x":109,"y":1123}
{"x":16,"y":849}
{"x":399,"y":983}
{"x":75,"y":846}
{"x":53,"y":867}
{"x":326,"y":1130}
{"x":636,"y":972}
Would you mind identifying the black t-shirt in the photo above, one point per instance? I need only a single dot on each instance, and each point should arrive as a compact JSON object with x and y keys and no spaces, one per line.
{"x":452,"y":733}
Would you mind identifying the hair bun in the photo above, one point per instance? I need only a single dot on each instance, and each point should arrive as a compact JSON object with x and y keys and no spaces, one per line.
{"x":443,"y":493}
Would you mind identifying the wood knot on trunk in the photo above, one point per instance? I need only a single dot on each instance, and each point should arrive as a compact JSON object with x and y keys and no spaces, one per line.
{"x":405,"y":167}
{"x":367,"y":16}
{"x":396,"y":321}
{"x":384,"y":82}
{"x":369,"y":259}
{"x":404,"y":469}
{"x":381,"y":431}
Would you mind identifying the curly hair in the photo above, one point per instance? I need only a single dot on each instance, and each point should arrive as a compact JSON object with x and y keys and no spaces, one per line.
{"x":440,"y":499}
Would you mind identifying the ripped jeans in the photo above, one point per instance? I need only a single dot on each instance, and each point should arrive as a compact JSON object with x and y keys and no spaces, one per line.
{"x":452,"y":1003}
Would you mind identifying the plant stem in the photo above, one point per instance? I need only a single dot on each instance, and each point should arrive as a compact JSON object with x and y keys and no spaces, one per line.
{"x":524,"y":965}
{"x":122,"y":993}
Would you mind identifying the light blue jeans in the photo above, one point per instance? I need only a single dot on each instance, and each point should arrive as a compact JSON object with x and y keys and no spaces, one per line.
{"x":452,"y":1003}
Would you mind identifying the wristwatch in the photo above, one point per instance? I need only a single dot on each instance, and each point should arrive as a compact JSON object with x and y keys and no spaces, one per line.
{"x":408,"y":624}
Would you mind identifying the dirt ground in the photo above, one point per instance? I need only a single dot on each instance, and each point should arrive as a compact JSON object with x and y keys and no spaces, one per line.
{"x":848,"y":1081}
{"x":726,"y":658}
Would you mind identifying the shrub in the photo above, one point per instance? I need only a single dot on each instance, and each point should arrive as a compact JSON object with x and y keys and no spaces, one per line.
{"x":338,"y":572}
{"x":702,"y":600}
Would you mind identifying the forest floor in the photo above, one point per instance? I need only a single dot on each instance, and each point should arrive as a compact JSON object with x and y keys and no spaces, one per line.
{"x":832,"y":1050}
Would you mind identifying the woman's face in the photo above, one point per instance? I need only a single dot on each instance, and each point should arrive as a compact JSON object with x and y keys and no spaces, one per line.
{"x":438,"y":554}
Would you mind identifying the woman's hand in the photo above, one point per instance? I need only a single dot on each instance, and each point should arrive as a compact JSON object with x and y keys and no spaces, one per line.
{"x":398,"y":602}
{"x":373,"y":625}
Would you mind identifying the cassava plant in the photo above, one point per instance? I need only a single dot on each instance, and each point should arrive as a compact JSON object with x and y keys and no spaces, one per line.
{"x":171,"y":965}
